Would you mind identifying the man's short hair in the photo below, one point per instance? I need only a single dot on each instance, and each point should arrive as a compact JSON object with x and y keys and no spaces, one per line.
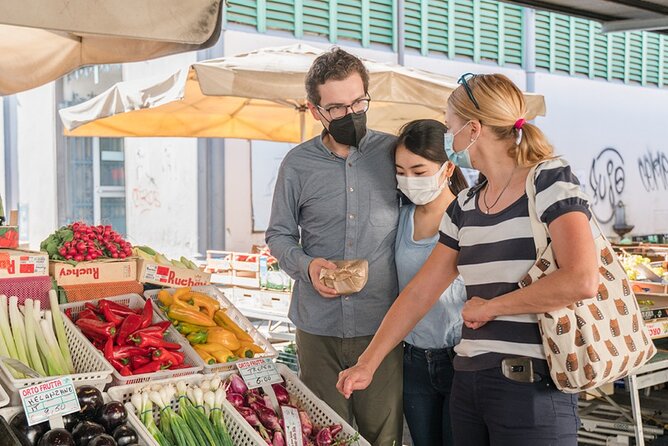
{"x":335,"y":64}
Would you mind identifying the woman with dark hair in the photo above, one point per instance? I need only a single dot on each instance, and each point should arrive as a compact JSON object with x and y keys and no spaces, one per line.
{"x":431,"y":182}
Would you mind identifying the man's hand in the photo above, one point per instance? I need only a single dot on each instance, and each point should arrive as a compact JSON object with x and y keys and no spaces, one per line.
{"x":314,"y":273}
{"x":476,"y":313}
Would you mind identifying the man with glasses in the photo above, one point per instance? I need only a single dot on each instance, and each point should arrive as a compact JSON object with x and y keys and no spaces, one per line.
{"x":336,"y":198}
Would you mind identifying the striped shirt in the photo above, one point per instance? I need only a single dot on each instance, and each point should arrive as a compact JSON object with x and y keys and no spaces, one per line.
{"x":495,"y":253}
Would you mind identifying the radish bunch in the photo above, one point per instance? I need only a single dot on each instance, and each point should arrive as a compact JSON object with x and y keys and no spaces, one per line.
{"x":79,"y":242}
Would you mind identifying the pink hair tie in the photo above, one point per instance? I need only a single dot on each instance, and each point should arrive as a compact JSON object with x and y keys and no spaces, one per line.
{"x":519,"y":123}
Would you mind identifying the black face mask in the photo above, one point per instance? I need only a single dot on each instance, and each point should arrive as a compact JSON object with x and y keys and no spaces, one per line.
{"x":349,"y":130}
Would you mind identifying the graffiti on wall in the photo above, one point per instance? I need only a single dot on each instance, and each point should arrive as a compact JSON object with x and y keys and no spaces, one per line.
{"x":607,"y":179}
{"x":653,"y":168}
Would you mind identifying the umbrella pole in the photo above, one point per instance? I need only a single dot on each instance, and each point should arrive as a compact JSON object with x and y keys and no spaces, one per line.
{"x":302,"y":123}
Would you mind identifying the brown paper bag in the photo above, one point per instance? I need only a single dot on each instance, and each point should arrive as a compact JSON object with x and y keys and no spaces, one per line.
{"x":349,"y":277}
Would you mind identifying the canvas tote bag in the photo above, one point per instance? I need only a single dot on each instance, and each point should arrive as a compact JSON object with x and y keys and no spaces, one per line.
{"x":596,"y":340}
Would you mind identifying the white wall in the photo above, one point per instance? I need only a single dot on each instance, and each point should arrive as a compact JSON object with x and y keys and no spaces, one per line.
{"x":36,"y":129}
{"x":2,"y":159}
{"x":585,"y":117}
{"x":161,"y":178}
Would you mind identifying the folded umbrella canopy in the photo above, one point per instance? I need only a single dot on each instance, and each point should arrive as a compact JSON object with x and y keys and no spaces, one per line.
{"x":41,"y":41}
{"x":258,"y":95}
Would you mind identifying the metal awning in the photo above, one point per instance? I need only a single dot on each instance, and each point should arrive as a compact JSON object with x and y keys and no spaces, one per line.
{"x":616,"y":15}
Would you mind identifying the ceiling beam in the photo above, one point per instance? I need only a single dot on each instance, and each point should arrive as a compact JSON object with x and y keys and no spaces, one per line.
{"x":644,"y":5}
{"x":657,"y":24}
{"x":554,"y":7}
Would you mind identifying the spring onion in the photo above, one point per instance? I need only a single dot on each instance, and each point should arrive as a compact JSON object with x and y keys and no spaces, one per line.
{"x":60,"y":330}
{"x":31,"y":338}
{"x":18,"y":330}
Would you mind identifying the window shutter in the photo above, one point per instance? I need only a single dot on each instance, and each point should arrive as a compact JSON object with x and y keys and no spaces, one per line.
{"x":438,"y":26}
{"x":349,"y":19}
{"x":281,"y":15}
{"x":464,"y":40}
{"x":489,"y":30}
{"x":381,"y":22}
{"x":242,"y":12}
{"x":316,"y":17}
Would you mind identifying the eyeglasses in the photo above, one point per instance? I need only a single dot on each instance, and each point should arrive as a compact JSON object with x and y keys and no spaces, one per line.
{"x":463,"y":81}
{"x":339,"y":111}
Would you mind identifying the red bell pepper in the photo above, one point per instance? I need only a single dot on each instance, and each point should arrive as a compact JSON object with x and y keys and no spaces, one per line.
{"x":124,"y":370}
{"x":147,"y":314}
{"x":93,"y":308}
{"x":152,"y":367}
{"x":145,"y":341}
{"x":130,"y":325}
{"x":138,"y":361}
{"x":157,"y":329}
{"x":162,"y":354}
{"x":96,"y":329}
{"x":88,"y":314}
{"x":109,"y":315}
{"x":118,"y":309}
{"x":68,"y":313}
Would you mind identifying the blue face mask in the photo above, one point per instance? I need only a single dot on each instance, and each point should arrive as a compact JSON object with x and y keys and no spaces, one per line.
{"x":463,"y":158}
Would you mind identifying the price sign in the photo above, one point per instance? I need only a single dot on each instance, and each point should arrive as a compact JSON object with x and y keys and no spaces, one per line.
{"x":49,"y":400}
{"x":259,"y":372}
{"x":293,"y":427}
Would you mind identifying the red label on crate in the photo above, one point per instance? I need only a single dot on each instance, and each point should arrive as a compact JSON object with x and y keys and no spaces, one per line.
{"x":78,"y":272}
{"x":7,"y":264}
{"x":27,"y":268}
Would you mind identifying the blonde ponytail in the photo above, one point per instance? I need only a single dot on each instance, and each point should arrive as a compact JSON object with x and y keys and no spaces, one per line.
{"x":501,"y":105}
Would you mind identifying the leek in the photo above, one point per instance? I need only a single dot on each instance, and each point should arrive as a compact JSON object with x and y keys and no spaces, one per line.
{"x":60,"y":331}
{"x":5,"y":327}
{"x":33,"y":352}
{"x":18,"y":330}
{"x":50,"y":363}
{"x":57,"y":357}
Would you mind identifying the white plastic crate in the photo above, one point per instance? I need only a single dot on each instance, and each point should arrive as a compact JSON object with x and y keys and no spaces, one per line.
{"x":91,"y":367}
{"x":241,"y":432}
{"x":234,"y":314}
{"x":9,"y":412}
{"x":4,"y":398}
{"x":192,"y":360}
{"x":320,"y":413}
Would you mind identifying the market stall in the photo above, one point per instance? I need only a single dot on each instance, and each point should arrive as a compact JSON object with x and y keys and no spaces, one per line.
{"x":127,"y":347}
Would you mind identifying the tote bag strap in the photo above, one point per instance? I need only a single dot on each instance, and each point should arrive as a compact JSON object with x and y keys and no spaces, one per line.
{"x":538,"y":228}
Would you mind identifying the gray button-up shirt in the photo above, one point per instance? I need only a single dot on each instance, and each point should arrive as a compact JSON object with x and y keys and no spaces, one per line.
{"x":344,"y":208}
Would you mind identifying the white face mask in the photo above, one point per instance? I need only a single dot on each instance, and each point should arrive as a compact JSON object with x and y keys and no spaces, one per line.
{"x":422,"y":190}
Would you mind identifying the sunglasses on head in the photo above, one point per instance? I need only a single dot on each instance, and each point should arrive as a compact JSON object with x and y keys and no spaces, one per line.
{"x":463,"y":81}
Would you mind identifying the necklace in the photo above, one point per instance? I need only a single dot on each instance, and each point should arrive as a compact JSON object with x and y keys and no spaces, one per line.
{"x":484,"y":194}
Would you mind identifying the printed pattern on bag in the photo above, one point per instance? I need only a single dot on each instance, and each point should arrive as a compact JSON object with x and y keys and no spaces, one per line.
{"x":587,"y":342}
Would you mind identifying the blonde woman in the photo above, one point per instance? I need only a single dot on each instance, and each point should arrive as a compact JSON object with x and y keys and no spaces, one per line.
{"x":502,"y":393}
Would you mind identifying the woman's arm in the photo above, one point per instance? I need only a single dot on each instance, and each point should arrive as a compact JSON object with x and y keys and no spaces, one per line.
{"x":576,"y":279}
{"x":413,"y":303}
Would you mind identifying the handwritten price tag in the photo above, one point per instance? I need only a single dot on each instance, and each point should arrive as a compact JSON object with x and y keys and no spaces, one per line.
{"x":293,"y":427}
{"x":259,"y":372}
{"x":49,"y":399}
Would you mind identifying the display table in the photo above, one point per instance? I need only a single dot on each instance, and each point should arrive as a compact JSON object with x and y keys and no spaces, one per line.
{"x":653,"y":373}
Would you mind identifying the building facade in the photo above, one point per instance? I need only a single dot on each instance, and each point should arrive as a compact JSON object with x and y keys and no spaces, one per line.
{"x":606,"y":112}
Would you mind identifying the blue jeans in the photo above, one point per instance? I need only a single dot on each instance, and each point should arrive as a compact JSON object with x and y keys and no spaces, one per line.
{"x":489,"y":409}
{"x":427,"y":380}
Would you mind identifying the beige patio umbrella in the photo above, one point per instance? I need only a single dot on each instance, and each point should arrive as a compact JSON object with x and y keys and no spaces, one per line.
{"x":259,"y":95}
{"x":41,"y":41}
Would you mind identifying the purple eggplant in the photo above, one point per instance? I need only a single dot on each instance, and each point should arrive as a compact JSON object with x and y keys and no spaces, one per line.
{"x":307,"y":425}
{"x":268,"y":418}
{"x":236,"y":399}
{"x":324,"y":437}
{"x":237,"y":385}
{"x":335,"y":429}
{"x":278,"y":439}
{"x":282,"y":394}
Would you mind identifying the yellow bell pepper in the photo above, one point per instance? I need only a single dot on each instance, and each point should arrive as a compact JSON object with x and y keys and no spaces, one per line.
{"x":182,"y":313}
{"x":219,"y":335}
{"x":205,"y":303}
{"x":224,"y":356}
{"x":211,"y":347}
{"x":178,"y":294}
{"x":223,"y":320}
{"x":244,"y":352}
{"x":208,"y":359}
{"x":165,"y":298}
{"x":252,"y":346}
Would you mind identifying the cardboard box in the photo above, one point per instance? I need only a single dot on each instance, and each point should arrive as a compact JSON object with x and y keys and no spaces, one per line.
{"x":167,"y":275}
{"x":17,"y":263}
{"x":9,"y":237}
{"x":99,"y":271}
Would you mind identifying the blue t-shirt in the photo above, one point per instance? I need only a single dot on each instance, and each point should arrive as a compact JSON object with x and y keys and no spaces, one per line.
{"x":442,"y":326}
